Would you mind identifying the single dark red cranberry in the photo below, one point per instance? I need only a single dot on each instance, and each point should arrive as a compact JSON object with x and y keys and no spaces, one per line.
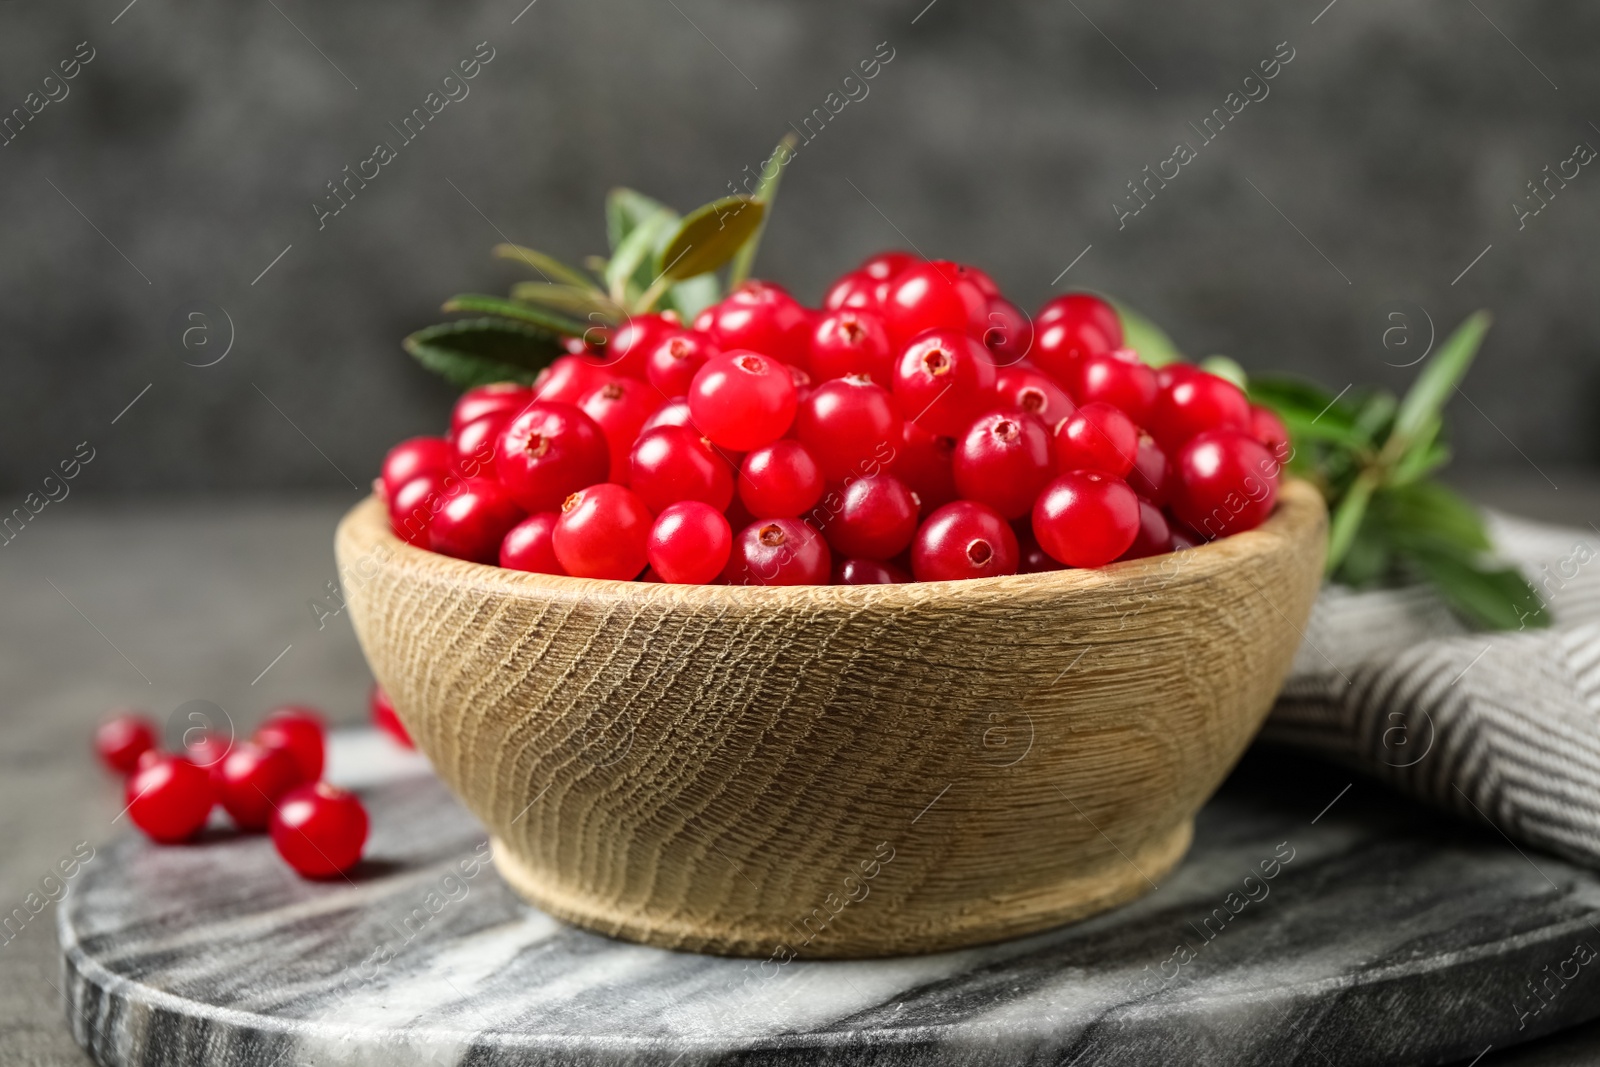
{"x":689,"y":543}
{"x":1097,"y":437}
{"x":1059,"y":346}
{"x":936,"y":295}
{"x":1086,"y":518}
{"x":1003,"y":460}
{"x":742,"y":400}
{"x":1197,"y":402}
{"x":301,"y":731}
{"x":1155,"y":535}
{"x":1266,"y":427}
{"x":674,"y":412}
{"x":319,"y":829}
{"x":852,"y":341}
{"x":249,"y":781}
{"x":760,"y":317}
{"x":674,"y":361}
{"x":474,"y":445}
{"x":778,"y":552}
{"x":413,"y":506}
{"x":1007,"y":332}
{"x":602,"y":533}
{"x":169,"y":798}
{"x":385,"y":719}
{"x":473,"y":522}
{"x":1031,"y":390}
{"x":626,"y":349}
{"x":964,"y":539}
{"x":498,"y":398}
{"x":1225,"y":483}
{"x":571,"y":378}
{"x":943,"y":380}
{"x":413,"y":457}
{"x":868,"y":572}
{"x":849,"y":425}
{"x":123,"y":738}
{"x":1088,"y":309}
{"x":886,"y":265}
{"x":876,"y":519}
{"x":673,"y":463}
{"x":530,"y":545}
{"x":780,"y":481}
{"x":550,"y":451}
{"x":1120,"y":379}
{"x":620,"y":409}
{"x":857,"y":289}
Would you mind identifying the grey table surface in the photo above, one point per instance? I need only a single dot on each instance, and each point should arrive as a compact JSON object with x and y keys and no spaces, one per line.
{"x":160,"y":604}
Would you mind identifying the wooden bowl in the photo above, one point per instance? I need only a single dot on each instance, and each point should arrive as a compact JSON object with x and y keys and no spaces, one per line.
{"x":836,"y":771}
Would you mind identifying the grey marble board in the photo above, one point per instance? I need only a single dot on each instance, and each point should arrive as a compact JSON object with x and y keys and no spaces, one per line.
{"x":1371,"y":933}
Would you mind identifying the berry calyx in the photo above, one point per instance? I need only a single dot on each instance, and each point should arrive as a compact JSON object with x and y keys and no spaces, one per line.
{"x":674,"y":362}
{"x":319,"y":829}
{"x":1026,"y":389}
{"x":852,"y":341}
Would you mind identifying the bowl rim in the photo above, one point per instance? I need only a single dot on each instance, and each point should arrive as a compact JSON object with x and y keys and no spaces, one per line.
{"x":1299,"y":512}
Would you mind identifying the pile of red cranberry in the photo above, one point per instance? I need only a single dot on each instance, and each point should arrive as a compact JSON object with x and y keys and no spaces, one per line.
{"x":918,"y":426}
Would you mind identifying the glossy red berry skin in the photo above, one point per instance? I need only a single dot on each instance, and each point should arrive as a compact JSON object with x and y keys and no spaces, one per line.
{"x":936,"y":295}
{"x":1007,"y":332}
{"x":742,"y":400}
{"x":530,"y":545}
{"x":301,"y":732}
{"x":620,"y":409}
{"x":851,"y":341}
{"x":550,"y":451}
{"x":1120,"y":379}
{"x":1155,"y":534}
{"x":1225,"y":482}
{"x":886,"y":265}
{"x":498,"y":398}
{"x":1030,"y":390}
{"x":319,"y":830}
{"x":780,"y":481}
{"x":926,"y":463}
{"x":689,"y":543}
{"x":475,"y":444}
{"x":249,"y":781}
{"x":1194,"y":403}
{"x":473,"y":522}
{"x":625,"y":351}
{"x":760,"y":317}
{"x":854,"y":290}
{"x":1003,"y":460}
{"x":413,"y":457}
{"x":1059,"y":346}
{"x":205,"y":749}
{"x":1086,"y":311}
{"x":385,"y":718}
{"x":1086,"y":518}
{"x":868,"y":572}
{"x":964,"y":539}
{"x":1031,"y":559}
{"x":1266,"y":427}
{"x":571,"y":378}
{"x":848,"y":425}
{"x":122,"y":739}
{"x":674,"y":412}
{"x":875,"y":519}
{"x":944,"y":379}
{"x":414,"y":504}
{"x":778,"y":552}
{"x":1151,"y":476}
{"x":602,"y":533}
{"x":673,"y":363}
{"x":1097,"y":437}
{"x":169,"y":798}
{"x":673,"y":463}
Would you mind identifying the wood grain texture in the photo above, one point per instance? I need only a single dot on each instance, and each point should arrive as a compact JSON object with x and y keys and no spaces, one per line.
{"x":836,"y":771}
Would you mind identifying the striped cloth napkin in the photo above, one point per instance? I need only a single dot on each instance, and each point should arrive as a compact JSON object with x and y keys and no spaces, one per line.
{"x":1497,"y":727}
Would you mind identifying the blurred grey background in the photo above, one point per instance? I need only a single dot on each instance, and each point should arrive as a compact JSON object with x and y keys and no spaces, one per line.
{"x":185,"y":156}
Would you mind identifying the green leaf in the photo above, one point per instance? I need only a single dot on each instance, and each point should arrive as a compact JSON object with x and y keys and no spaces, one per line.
{"x":581,"y":303}
{"x":1146,"y":338}
{"x":1427,"y":395}
{"x":553,"y":270}
{"x":1368,"y":560}
{"x":1373,"y":416}
{"x":1347,"y":519}
{"x":710,"y":235}
{"x":633,"y":252}
{"x":483,"y":304}
{"x":766,"y":192}
{"x":1430,"y":515}
{"x":693,"y":295}
{"x":479,"y":351}
{"x":1228,"y":368}
{"x":626,"y":210}
{"x":1495,"y":598}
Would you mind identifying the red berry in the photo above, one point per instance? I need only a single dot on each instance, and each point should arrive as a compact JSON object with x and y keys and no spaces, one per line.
{"x":530,"y":545}
{"x":385,"y":719}
{"x":1225,"y":483}
{"x":673,"y":463}
{"x":979,"y":277}
{"x":550,"y":451}
{"x":936,"y":295}
{"x":1086,"y":518}
{"x":413,"y":457}
{"x":868,"y":572}
{"x":761,"y":317}
{"x":475,"y":443}
{"x":963,"y":539}
{"x":414,"y":504}
{"x":674,"y":361}
{"x":1266,"y":427}
{"x":1008,"y":332}
{"x":319,"y":830}
{"x":689,"y":543}
{"x":1150,"y":478}
{"x":802,"y":382}
{"x":1120,"y":379}
{"x":169,"y":798}
{"x":875,"y":519}
{"x":122,"y":739}
{"x":1059,"y":346}
{"x":620,"y":408}
{"x":498,"y":398}
{"x":300,"y":730}
{"x":854,"y":290}
{"x":1194,"y":403}
{"x":778,"y":552}
{"x":1030,"y":390}
{"x":925,"y":462}
{"x":943,"y":380}
{"x":1003,"y":460}
{"x":849,"y":425}
{"x":742,"y":400}
{"x":249,"y":781}
{"x":1154,"y":537}
{"x":569,"y":379}
{"x":626,"y":350}
{"x":780,"y":481}
{"x":1097,"y":437}
{"x":1084,"y":310}
{"x":887,"y":265}
{"x":674,"y":412}
{"x":1031,"y":559}
{"x":472,"y":523}
{"x":206,"y":751}
{"x":851,"y":341}
{"x":602,"y":533}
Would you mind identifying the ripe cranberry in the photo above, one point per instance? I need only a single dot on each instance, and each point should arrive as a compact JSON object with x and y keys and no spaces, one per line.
{"x":300,"y":730}
{"x":626,"y":350}
{"x":848,"y":425}
{"x":1058,"y":348}
{"x":850,"y":341}
{"x":569,"y":379}
{"x":475,"y":443}
{"x":857,"y":289}
{"x":943,"y":380}
{"x":602,"y":533}
{"x":620,"y":408}
{"x":672,"y":364}
{"x":778,"y":552}
{"x":413,"y":506}
{"x":673,"y":463}
{"x":1008,"y":332}
{"x":319,"y":830}
{"x":1097,"y":437}
{"x":169,"y":798}
{"x":385,"y":719}
{"x":498,"y":398}
{"x":1266,"y":427}
{"x":122,"y":739}
{"x":206,"y":749}
{"x":689,"y":543}
{"x":761,"y":317}
{"x":925,"y":462}
{"x":742,"y":400}
{"x":1086,"y":518}
{"x":550,"y":451}
{"x":472,"y":523}
{"x":868,"y":572}
{"x":986,"y":285}
{"x":963,"y":539}
{"x":780,"y":481}
{"x":674,"y":412}
{"x":1003,"y":460}
{"x":1151,"y":477}
{"x":936,"y":295}
{"x":875,"y":519}
{"x":887,"y":265}
{"x":1154,"y":537}
{"x":1120,"y":379}
{"x":1225,"y":483}
{"x":1030,"y":390}
{"x":412,"y":457}
{"x":530,"y":545}
{"x":251,"y":779}
{"x":1088,"y":310}
{"x":1194,"y":403}
{"x":1031,"y":559}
